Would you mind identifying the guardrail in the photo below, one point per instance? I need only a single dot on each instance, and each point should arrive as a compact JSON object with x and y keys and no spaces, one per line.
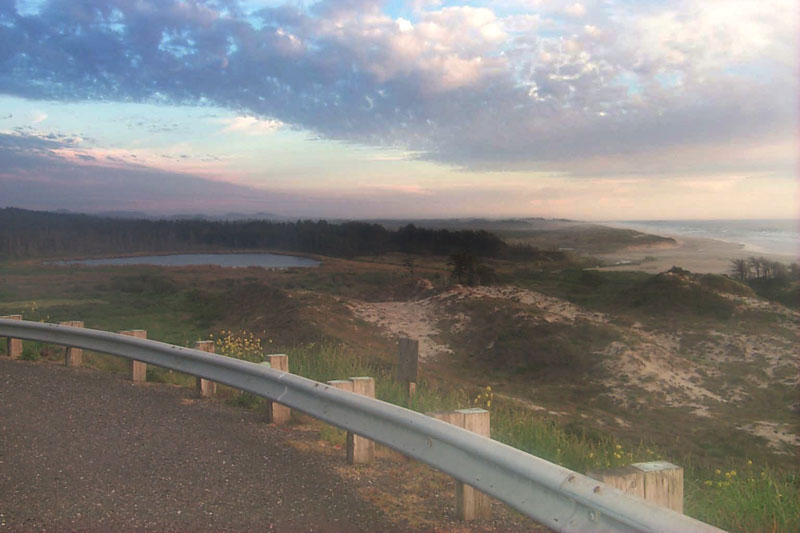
{"x":550,"y":494}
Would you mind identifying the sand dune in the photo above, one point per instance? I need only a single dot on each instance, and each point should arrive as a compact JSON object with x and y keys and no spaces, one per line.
{"x":695,"y":254}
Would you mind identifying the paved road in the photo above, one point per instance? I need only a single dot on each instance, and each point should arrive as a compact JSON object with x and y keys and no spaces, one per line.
{"x":85,"y":449}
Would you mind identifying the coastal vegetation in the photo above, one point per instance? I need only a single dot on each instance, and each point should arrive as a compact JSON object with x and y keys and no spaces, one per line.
{"x":589,"y":238}
{"x":741,"y":496}
{"x":760,"y":268}
{"x":583,"y":367}
{"x":772,"y":280}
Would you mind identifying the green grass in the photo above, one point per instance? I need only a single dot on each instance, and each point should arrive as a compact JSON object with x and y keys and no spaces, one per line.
{"x":756,"y":500}
{"x":154,"y":309}
{"x":504,"y":340}
{"x":668,"y":296}
{"x":586,"y":238}
{"x":31,"y":351}
{"x":785,"y":292}
{"x":178,"y":310}
{"x":589,"y":288}
{"x":752,"y":500}
{"x":725,"y":284}
{"x":633,"y":292}
{"x":747,"y":499}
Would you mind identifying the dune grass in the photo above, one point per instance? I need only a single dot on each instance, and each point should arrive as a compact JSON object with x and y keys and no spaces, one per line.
{"x":743,"y":498}
{"x":747,"y":501}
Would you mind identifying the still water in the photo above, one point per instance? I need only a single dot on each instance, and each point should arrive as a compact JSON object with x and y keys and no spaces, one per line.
{"x":224,"y":260}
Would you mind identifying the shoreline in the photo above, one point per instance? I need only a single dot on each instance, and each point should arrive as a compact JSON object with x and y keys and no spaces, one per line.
{"x":701,"y":255}
{"x":717,"y":230}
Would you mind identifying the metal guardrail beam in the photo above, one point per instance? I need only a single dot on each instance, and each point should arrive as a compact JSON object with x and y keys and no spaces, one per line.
{"x":550,"y":494}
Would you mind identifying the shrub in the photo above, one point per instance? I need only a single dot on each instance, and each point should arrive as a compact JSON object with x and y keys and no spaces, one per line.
{"x":669,"y":294}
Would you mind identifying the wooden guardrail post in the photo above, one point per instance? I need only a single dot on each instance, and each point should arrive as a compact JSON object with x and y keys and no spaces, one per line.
{"x":342,"y":384}
{"x":359,"y":449}
{"x":276,"y":413}
{"x":13,"y":346}
{"x":73,"y":357}
{"x":658,"y":482}
{"x":471,"y":504}
{"x":408,"y":363}
{"x":138,"y":368}
{"x":205,"y":388}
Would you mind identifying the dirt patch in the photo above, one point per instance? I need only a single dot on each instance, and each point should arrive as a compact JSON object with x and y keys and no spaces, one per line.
{"x":777,"y":435}
{"x":407,"y":491}
{"x":651,"y":365}
{"x":553,"y":309}
{"x":419,"y":319}
{"x":756,"y":304}
{"x":414,"y":319}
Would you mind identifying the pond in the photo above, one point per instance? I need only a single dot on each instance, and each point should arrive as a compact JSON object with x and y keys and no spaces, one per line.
{"x":224,"y":260}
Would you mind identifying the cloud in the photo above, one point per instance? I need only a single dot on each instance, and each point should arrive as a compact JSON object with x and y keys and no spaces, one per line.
{"x":36,"y":173}
{"x":576,"y":10}
{"x":39,"y":117}
{"x":508,"y":84}
{"x":251,"y":125}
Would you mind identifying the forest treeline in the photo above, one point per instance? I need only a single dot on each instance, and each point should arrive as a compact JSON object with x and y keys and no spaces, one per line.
{"x":33,"y":234}
{"x":761,"y":268}
{"x":769,"y":279}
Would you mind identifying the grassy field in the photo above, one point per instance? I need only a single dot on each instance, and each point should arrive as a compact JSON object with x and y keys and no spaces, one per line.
{"x":589,"y":238}
{"x":731,"y":481}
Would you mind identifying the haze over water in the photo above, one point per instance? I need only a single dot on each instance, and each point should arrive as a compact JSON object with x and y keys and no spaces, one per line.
{"x":775,"y":236}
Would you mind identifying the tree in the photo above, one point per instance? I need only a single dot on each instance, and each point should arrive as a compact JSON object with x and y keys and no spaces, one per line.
{"x":466,"y":269}
{"x":740,"y":269}
{"x":794,"y":271}
{"x":780,"y":272}
{"x":755,"y":264}
{"x":463,"y":268}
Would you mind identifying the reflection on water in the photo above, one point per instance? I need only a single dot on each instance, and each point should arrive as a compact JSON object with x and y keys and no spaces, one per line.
{"x":224,"y":260}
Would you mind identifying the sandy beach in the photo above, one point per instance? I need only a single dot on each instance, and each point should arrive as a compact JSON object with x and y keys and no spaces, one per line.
{"x":695,"y":254}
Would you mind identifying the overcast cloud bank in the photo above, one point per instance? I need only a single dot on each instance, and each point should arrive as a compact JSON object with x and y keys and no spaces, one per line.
{"x":510,"y":85}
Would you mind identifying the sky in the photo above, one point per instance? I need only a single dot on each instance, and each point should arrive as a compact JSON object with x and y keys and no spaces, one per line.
{"x":593,"y":110}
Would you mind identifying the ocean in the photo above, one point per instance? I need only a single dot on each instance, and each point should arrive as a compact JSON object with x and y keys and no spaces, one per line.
{"x":778,"y":236}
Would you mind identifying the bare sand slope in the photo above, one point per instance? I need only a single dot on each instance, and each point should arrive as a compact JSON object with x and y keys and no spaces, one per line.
{"x":413,"y":319}
{"x":657,"y":363}
{"x":702,"y":256}
{"x":418,"y":319}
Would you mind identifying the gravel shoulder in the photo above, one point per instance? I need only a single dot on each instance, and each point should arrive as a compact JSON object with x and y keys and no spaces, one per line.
{"x":82,"y":449}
